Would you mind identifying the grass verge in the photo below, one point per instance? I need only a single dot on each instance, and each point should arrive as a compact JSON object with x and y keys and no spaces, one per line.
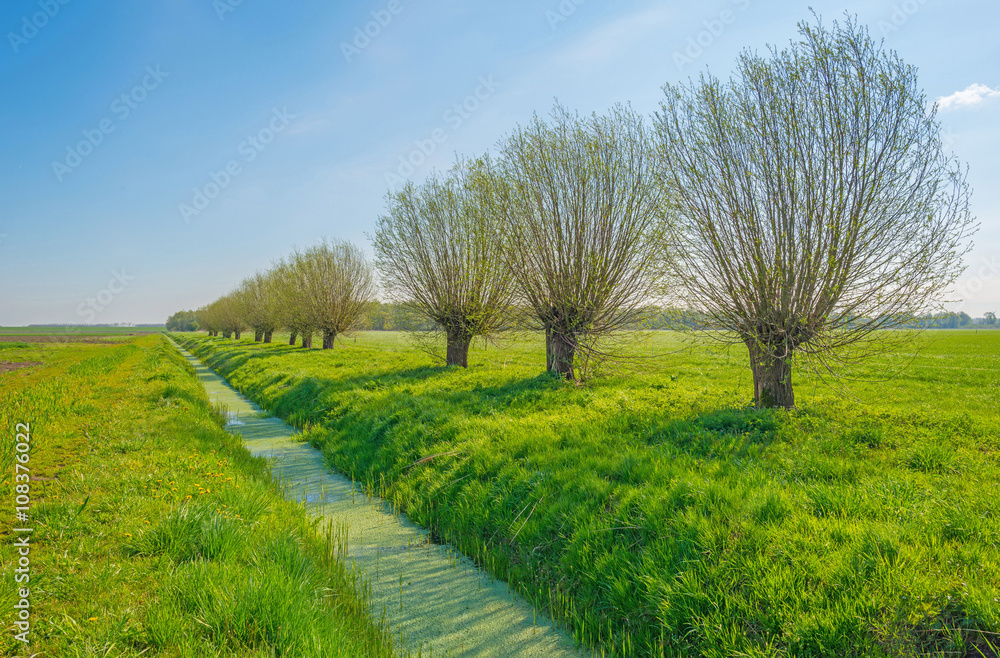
{"x":155,"y":531}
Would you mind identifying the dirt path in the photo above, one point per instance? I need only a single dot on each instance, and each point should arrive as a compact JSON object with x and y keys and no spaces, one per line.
{"x":66,"y":338}
{"x":434,"y":599}
{"x":9,"y":366}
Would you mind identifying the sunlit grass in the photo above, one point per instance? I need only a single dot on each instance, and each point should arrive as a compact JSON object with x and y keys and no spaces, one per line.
{"x":156,"y":532}
{"x":654,"y":512}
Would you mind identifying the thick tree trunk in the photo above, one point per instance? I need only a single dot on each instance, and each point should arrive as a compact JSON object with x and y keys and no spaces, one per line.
{"x":258,"y":335}
{"x":227,"y":334}
{"x":267,"y":336}
{"x":560,"y":350}
{"x":236,"y":334}
{"x":291,"y":339}
{"x":772,"y":378}
{"x":328,"y":337}
{"x":307,"y":340}
{"x":458,"y":351}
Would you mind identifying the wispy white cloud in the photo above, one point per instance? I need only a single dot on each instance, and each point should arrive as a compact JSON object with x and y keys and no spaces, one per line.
{"x":974,"y":94}
{"x":605,"y":44}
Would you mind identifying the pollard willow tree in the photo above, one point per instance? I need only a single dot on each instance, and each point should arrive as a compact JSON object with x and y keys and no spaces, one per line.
{"x":208,"y":319}
{"x":293,"y":309}
{"x":337,"y":284}
{"x":227,"y":310}
{"x":582,"y":215}
{"x":439,"y":252}
{"x":814,"y":201}
{"x":259,"y":301}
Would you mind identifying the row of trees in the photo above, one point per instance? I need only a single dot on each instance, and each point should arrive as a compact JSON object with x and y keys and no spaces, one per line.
{"x":563,"y":226}
{"x":321,"y":290}
{"x":799,"y":208}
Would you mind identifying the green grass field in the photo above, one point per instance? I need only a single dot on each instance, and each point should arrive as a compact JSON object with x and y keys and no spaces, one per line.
{"x":654,"y":512}
{"x":155,"y":531}
{"x":77,"y":330}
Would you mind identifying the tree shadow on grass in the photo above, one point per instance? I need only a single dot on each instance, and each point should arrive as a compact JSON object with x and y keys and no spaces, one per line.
{"x":519,"y":395}
{"x":717,"y":434}
{"x":231,"y":354}
{"x":299,"y":400}
{"x":173,"y":392}
{"x":234,"y":355}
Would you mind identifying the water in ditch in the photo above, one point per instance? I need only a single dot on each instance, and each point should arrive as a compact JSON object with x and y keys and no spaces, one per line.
{"x":434,"y":599}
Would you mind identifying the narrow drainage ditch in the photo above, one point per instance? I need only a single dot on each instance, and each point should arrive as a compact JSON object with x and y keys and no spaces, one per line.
{"x":435,"y":600}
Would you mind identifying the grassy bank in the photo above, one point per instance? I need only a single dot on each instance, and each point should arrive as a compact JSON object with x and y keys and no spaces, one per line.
{"x":155,"y":532}
{"x":656,"y":514}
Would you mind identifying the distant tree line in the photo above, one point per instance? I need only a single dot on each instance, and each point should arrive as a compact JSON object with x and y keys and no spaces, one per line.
{"x":945,"y":321}
{"x":323,"y":290}
{"x":800,"y":207}
{"x":183,"y":321}
{"x":391,"y":316}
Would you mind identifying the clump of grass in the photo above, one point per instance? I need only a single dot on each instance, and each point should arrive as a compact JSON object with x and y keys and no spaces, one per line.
{"x":933,"y":457}
{"x":220,"y":414}
{"x":866,"y":435}
{"x":193,"y":532}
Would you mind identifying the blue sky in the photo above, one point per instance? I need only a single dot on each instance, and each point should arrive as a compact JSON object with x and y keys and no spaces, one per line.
{"x":153,"y":154}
